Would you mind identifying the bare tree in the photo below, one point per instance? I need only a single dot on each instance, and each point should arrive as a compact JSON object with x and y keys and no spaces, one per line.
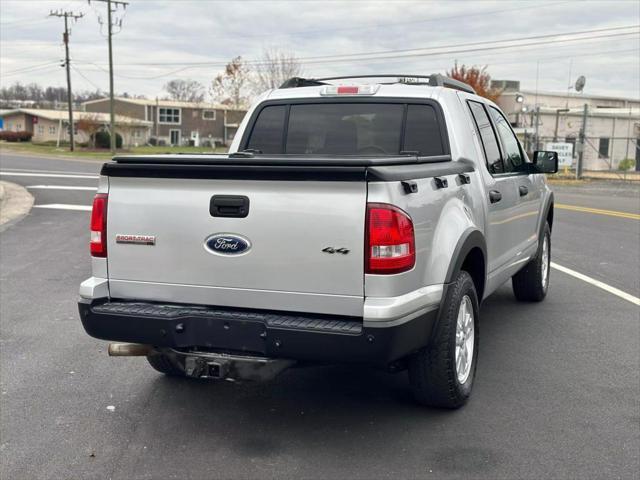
{"x":231,"y":87}
{"x":274,"y":68}
{"x":90,"y":124}
{"x":185,"y":90}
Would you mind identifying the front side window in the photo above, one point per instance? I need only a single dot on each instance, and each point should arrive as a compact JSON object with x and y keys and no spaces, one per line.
{"x":52,"y":129}
{"x":487,"y":137}
{"x":348,"y":129}
{"x":514,"y":160}
{"x":169,"y":115}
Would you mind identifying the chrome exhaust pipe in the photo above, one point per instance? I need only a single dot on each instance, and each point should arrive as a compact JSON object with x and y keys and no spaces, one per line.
{"x":128,"y":350}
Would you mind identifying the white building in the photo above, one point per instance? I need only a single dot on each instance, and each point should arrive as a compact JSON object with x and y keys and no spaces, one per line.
{"x":612,"y":124}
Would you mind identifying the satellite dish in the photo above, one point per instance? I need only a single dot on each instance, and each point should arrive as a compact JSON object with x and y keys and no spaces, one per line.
{"x":580,"y":83}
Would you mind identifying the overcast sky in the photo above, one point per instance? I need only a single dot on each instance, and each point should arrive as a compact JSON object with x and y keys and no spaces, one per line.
{"x":177,"y":33}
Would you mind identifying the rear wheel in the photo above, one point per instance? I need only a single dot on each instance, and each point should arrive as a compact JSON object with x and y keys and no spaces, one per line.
{"x":441,"y":374}
{"x":532,"y":282}
{"x":163,"y":364}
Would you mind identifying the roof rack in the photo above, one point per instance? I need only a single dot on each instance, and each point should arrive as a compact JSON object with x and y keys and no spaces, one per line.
{"x":435,"y":80}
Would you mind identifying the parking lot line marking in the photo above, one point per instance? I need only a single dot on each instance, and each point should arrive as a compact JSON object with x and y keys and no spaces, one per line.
{"x":65,"y":206}
{"x":59,"y":187}
{"x":48,"y":175}
{"x":597,"y":283}
{"x":598,"y":211}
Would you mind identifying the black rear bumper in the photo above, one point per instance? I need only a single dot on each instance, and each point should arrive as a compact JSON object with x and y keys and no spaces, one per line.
{"x":258,"y":332}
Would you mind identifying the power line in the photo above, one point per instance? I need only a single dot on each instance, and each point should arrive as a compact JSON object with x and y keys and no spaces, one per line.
{"x":366,"y":57}
{"x":65,"y":37}
{"x":28,"y":68}
{"x":401,"y":51}
{"x":79,"y":72}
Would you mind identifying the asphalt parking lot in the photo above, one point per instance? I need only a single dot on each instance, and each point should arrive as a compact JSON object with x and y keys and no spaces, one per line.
{"x":556,"y":392}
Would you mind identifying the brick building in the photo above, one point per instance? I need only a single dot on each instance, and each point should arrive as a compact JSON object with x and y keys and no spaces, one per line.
{"x":178,"y":123}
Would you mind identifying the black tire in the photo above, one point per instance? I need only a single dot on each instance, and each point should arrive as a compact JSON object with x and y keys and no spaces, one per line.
{"x":432,"y":370}
{"x":528,"y":284}
{"x":163,"y":364}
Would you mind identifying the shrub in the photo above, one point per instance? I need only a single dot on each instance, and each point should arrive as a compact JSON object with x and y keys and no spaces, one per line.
{"x":16,"y":136}
{"x":153,"y":141}
{"x":627,"y":164}
{"x":103,"y":140}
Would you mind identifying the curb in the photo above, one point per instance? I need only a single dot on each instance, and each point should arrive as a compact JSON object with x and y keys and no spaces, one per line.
{"x":15,"y":202}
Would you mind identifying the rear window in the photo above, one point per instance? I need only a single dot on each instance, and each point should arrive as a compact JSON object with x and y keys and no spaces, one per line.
{"x":348,"y":129}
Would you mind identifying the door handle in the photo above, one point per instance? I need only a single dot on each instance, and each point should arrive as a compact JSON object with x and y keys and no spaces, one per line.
{"x":495,"y":196}
{"x":523,"y":190}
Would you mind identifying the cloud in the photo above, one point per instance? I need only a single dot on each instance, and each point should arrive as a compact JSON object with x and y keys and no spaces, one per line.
{"x":177,"y":32}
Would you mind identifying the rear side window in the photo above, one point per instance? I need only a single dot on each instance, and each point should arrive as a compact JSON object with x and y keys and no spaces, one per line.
{"x":488,"y":138}
{"x":349,"y":129}
{"x":266,"y":135}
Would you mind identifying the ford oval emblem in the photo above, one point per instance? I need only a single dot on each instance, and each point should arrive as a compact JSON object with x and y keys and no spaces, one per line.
{"x":227,"y":244}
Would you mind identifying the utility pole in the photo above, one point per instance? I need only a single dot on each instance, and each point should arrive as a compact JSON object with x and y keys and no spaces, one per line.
{"x":110,"y":11}
{"x":65,"y":37}
{"x":537,"y":112}
{"x":583,"y":137}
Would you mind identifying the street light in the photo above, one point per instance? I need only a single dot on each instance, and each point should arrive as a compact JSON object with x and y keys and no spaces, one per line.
{"x":519,"y":98}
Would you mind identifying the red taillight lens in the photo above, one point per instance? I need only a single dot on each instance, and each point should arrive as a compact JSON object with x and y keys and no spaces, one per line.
{"x":98,"y":241}
{"x":391,"y":246}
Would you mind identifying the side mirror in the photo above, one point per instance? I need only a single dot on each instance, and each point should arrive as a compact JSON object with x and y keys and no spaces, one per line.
{"x":545,"y":161}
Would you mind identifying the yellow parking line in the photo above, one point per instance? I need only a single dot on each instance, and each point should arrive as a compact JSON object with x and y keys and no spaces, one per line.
{"x":598,"y":211}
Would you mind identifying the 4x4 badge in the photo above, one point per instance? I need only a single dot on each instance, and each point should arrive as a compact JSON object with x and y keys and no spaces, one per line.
{"x":341,"y":250}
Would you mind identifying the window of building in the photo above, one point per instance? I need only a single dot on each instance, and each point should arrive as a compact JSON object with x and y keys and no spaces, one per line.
{"x":603,"y":147}
{"x":52,"y":129}
{"x":514,"y":160}
{"x":18,"y":127}
{"x":169,"y":115}
{"x":40,"y":130}
{"x":487,"y":137}
{"x":208,"y":114}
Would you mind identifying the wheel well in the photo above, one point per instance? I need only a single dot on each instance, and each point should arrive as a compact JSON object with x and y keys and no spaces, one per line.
{"x":550,"y":216}
{"x":475,"y":266}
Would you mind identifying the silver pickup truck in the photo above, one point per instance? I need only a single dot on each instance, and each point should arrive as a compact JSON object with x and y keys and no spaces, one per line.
{"x":349,"y":222}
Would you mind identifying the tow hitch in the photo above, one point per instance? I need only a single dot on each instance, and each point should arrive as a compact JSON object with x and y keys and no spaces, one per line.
{"x":222,"y":366}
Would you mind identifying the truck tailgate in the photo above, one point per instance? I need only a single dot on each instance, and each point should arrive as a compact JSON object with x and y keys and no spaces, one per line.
{"x":291,"y":229}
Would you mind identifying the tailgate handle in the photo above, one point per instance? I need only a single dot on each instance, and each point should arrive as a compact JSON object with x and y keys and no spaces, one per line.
{"x":229,"y":206}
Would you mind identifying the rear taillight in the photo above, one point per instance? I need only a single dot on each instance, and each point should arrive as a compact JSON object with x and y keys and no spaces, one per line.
{"x":390,"y":244}
{"x":98,"y":241}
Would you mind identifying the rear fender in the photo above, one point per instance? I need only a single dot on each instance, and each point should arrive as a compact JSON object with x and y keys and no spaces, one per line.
{"x":451,"y":240}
